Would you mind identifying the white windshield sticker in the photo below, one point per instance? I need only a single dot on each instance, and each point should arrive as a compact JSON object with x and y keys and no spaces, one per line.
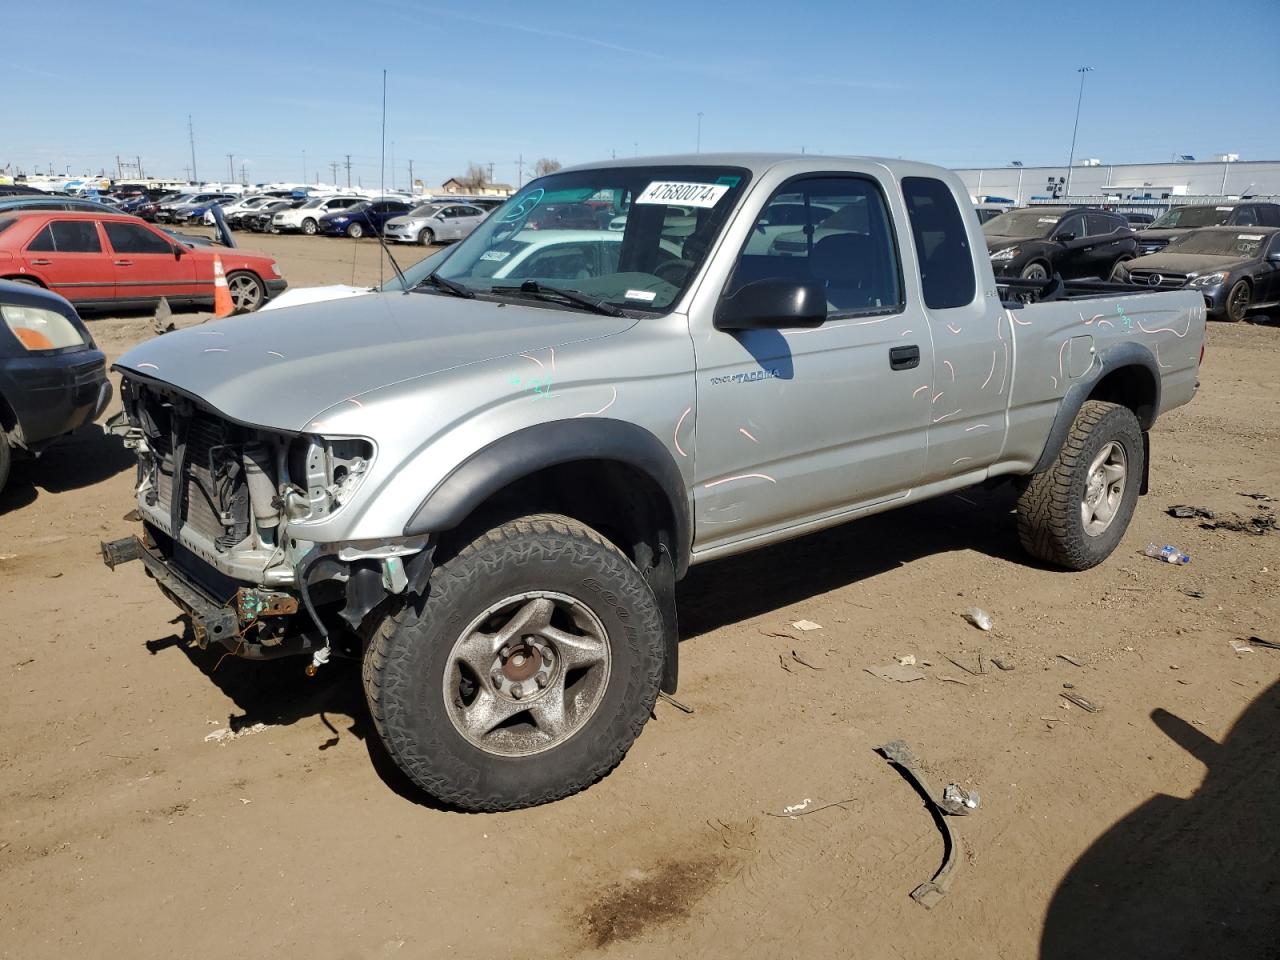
{"x":689,"y":194}
{"x":1248,"y":236}
{"x":498,"y":255}
{"x":1048,"y":220}
{"x":645,"y":295}
{"x":1223,"y":208}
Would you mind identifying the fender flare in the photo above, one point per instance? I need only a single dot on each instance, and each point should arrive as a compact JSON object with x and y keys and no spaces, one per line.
{"x":1127,"y":354}
{"x":542,"y":445}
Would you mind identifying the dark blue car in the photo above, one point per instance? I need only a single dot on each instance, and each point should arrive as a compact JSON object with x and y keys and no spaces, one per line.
{"x":53,"y":377}
{"x":364,"y":218}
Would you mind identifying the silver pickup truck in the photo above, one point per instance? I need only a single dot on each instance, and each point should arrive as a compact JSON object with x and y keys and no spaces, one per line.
{"x":487,"y":483}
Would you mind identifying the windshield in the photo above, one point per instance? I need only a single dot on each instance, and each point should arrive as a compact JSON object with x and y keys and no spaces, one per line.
{"x":313,"y":204}
{"x":1023,"y":223}
{"x":357,"y":207}
{"x":1219,"y":243}
{"x":426,"y":210}
{"x":1193,"y":217}
{"x":631,"y":236}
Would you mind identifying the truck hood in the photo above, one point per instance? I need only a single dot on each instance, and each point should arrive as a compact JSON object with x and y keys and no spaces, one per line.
{"x":280,"y":370}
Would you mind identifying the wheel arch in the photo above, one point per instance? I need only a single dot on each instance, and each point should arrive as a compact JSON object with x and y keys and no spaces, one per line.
{"x":610,"y":474}
{"x":29,"y":277}
{"x":1127,"y":374}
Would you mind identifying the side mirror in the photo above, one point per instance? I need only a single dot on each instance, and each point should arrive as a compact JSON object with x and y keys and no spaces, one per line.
{"x":1065,"y":237}
{"x":179,"y":251}
{"x":774,"y":304}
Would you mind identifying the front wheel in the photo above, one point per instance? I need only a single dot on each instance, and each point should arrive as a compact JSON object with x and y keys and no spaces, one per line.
{"x":426,"y":237}
{"x":247,"y":291}
{"x":1074,"y":514}
{"x":527,"y":672}
{"x":355,"y":231}
{"x":1035,"y":271}
{"x":309,"y":227}
{"x":1238,"y":301}
{"x":1115,"y":275}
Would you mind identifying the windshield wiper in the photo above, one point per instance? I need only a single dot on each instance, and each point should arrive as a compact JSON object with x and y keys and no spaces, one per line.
{"x":542,"y":292}
{"x":448,"y":286}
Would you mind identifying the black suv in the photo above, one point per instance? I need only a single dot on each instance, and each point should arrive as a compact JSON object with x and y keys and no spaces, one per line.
{"x":1177,"y":221}
{"x":1073,"y":242}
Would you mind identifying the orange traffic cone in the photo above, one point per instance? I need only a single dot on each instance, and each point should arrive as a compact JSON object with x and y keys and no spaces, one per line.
{"x":222,"y":305}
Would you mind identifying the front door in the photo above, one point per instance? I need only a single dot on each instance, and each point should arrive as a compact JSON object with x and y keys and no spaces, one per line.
{"x":67,"y":255}
{"x":147,"y":267}
{"x":802,"y":424}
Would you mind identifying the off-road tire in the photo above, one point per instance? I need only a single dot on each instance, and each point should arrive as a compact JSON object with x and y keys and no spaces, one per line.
{"x":6,"y":460}
{"x":405,"y":662}
{"x":1049,"y":522}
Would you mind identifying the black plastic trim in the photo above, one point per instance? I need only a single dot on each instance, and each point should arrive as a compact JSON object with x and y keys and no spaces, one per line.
{"x":1128,"y":354}
{"x":548,"y":444}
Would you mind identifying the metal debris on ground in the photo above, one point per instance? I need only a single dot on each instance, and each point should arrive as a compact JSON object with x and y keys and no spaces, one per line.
{"x":978,"y":617}
{"x":896,"y":672}
{"x":1070,"y":659}
{"x":1086,"y":705}
{"x":1001,"y":663}
{"x":1259,"y":496}
{"x":1261,"y":523}
{"x":1185,"y":512}
{"x":1259,"y":642}
{"x":963,"y":683}
{"x":1241,"y":646}
{"x":806,"y":625}
{"x":162,"y":322}
{"x":1193,"y":594}
{"x":955,"y":662}
{"x":959,"y":801}
{"x":803,"y":662}
{"x":683,"y":707}
{"x":899,"y":754}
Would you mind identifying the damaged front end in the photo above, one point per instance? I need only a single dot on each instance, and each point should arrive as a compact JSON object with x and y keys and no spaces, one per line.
{"x":224,"y":508}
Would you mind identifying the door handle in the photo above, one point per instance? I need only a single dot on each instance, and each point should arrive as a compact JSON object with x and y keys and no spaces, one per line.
{"x":42,"y":262}
{"x":124,"y":263}
{"x":904,"y":358}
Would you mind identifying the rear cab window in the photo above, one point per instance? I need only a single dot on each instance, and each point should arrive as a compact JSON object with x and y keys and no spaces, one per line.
{"x":942,"y":243}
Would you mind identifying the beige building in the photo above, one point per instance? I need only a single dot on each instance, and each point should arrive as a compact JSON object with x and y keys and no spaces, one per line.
{"x":454,"y":186}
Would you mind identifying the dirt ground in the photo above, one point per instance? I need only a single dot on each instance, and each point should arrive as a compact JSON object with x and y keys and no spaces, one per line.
{"x":1149,"y":828}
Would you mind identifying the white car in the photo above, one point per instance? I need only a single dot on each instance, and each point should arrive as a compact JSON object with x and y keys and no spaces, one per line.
{"x":243,"y":205}
{"x":434,"y":222}
{"x":306,"y":217}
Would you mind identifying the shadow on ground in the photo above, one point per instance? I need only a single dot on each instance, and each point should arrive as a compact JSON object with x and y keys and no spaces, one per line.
{"x":88,"y":456}
{"x":1186,"y":878}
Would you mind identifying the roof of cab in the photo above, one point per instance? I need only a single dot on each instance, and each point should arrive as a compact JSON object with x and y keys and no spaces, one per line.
{"x":759,"y":163}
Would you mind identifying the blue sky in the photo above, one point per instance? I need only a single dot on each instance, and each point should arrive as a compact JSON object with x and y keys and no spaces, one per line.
{"x":956,"y":83}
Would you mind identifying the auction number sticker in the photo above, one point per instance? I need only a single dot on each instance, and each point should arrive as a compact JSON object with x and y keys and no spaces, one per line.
{"x":687,"y":194}
{"x":1248,"y":236}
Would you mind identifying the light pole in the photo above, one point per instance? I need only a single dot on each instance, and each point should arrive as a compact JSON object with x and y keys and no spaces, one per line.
{"x":699,"y":147}
{"x":1071,"y":158}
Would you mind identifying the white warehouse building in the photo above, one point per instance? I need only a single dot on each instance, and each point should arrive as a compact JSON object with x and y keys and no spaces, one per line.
{"x":1093,"y":181}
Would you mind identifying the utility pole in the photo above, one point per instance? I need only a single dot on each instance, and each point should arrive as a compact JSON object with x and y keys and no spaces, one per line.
{"x":333,"y":165}
{"x":1071,"y":157}
{"x":699,"y":148}
{"x":393,"y":166}
{"x":520,"y":176}
{"x":244,"y":180}
{"x":410,"y":176}
{"x":191,"y":136}
{"x":348,"y":171}
{"x":141,"y":175}
{"x":491,"y":171}
{"x":231,"y":169}
{"x":118,"y":177}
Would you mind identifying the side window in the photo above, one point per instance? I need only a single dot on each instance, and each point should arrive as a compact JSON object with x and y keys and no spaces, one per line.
{"x":1099,"y":224}
{"x":76,"y":236}
{"x":1073,"y":225}
{"x":132,"y":238}
{"x":1269,"y":215}
{"x":833,"y":229}
{"x":43,"y":242}
{"x":1245,"y":217}
{"x":942,"y":243}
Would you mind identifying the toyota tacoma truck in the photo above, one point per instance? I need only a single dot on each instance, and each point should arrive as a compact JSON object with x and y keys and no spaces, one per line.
{"x":487,"y":487}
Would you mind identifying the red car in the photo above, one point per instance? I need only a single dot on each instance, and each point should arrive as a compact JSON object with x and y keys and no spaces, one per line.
{"x":115,"y":260}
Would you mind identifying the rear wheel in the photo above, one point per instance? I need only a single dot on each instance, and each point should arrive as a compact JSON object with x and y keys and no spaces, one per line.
{"x":247,"y":291}
{"x":426,"y":237}
{"x":525,"y":674}
{"x":1238,"y":301}
{"x":309,"y":227}
{"x":1075,"y":513}
{"x":355,"y":231}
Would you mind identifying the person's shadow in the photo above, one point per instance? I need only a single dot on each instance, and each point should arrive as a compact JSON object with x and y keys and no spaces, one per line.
{"x":1186,"y":878}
